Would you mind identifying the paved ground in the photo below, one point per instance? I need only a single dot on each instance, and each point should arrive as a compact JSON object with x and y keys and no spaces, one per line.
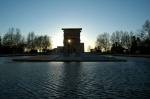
{"x":85,"y":57}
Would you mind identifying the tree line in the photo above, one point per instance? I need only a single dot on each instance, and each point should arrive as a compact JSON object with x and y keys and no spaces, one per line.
{"x":14,"y":42}
{"x":125,"y":42}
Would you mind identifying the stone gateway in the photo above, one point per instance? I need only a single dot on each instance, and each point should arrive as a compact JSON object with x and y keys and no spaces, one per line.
{"x":72,"y":41}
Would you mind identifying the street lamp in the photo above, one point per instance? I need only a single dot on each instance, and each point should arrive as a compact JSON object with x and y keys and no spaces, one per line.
{"x":69,"y":41}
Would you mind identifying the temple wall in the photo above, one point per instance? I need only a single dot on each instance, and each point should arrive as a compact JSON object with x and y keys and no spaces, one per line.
{"x":74,"y":46}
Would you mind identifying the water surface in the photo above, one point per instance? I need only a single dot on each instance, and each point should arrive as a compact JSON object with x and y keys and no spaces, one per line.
{"x":129,"y":79}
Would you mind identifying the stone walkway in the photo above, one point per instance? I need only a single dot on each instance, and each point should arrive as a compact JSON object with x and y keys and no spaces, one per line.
{"x":85,"y":57}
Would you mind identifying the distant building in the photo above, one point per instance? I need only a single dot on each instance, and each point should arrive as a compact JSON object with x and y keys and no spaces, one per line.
{"x":60,"y":49}
{"x":72,"y":41}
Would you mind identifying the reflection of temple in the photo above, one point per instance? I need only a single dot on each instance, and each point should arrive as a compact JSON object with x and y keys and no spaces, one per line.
{"x":72,"y":41}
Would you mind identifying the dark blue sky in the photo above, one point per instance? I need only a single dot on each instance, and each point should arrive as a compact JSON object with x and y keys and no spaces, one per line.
{"x":93,"y":16}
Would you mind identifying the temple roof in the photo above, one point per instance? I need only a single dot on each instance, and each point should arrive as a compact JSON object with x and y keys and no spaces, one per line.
{"x":71,"y":28}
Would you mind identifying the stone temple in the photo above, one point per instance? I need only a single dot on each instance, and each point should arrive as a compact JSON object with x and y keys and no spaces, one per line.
{"x":72,"y":41}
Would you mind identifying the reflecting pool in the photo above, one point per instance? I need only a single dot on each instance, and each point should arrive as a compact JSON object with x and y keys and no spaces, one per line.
{"x":129,"y":79}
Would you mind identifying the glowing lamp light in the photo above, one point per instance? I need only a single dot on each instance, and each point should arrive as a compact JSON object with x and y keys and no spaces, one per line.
{"x":69,"y":40}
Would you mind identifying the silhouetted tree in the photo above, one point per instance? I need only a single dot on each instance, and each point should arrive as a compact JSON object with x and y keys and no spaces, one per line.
{"x":14,"y":41}
{"x":122,"y":39}
{"x":143,"y":38}
{"x":134,"y":45}
{"x":116,"y":37}
{"x":97,"y":49}
{"x":141,"y":34}
{"x":30,"y":41}
{"x":8,"y":39}
{"x":126,"y":40}
{"x":18,"y":38}
{"x":13,"y":38}
{"x":47,"y":42}
{"x":43,"y":42}
{"x":39,"y":42}
{"x":146,"y":28}
{"x":103,"y":41}
{"x":117,"y":49}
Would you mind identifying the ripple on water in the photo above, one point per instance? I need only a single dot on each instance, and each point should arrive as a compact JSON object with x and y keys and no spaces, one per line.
{"x":75,"y":80}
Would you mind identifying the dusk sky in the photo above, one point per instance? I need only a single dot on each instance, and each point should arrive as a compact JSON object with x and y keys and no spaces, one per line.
{"x":93,"y":16}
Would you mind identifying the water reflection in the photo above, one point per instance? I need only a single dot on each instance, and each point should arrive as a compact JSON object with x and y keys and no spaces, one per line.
{"x":75,"y":79}
{"x":70,"y":80}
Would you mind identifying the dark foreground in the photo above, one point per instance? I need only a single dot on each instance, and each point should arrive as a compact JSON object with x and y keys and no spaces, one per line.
{"x":48,"y":80}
